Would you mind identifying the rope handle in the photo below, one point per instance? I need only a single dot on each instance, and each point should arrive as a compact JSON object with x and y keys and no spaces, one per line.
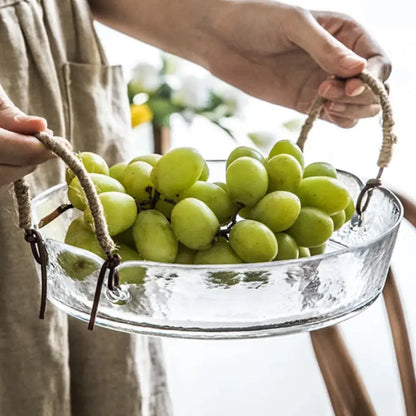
{"x":389,"y":138}
{"x":23,"y":199}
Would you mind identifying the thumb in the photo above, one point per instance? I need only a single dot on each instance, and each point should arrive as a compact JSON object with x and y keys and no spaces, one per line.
{"x":330,"y":54}
{"x":13,"y":119}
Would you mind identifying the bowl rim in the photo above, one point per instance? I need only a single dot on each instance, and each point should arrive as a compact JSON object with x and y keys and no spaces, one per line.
{"x":243,"y":266}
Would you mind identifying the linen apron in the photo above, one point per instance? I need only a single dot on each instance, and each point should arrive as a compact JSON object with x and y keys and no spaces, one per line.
{"x":52,"y":65}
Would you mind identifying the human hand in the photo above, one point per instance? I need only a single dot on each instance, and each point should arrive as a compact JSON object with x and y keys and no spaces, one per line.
{"x":285,"y":55}
{"x":20,"y":152}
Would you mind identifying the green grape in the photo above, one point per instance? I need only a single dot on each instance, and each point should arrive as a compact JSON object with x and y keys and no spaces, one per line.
{"x":92,"y":162}
{"x":290,"y":148}
{"x":215,"y":197}
{"x":77,"y":266}
{"x":136,"y":179}
{"x":312,"y":228}
{"x":245,"y":213}
{"x":220,"y":253}
{"x":253,"y":241}
{"x":304,"y":252}
{"x":194,"y":223}
{"x":317,"y":249}
{"x":185,"y":255}
{"x":120,"y":212}
{"x":320,"y":169}
{"x":177,"y":170}
{"x":285,"y":173}
{"x":116,"y":171}
{"x":165,"y":207}
{"x":327,"y":194}
{"x":151,"y":159}
{"x":242,"y":151}
{"x":125,"y":238}
{"x":205,"y":172}
{"x":130,"y":274}
{"x":80,"y":235}
{"x":154,"y":237}
{"x":288,"y":249}
{"x":278,"y":210}
{"x":338,"y":219}
{"x":222,"y":185}
{"x":349,"y":210}
{"x":247,"y":181}
{"x":102,"y":183}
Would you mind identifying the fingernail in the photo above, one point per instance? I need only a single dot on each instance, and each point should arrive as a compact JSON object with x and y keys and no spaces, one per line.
{"x":332,"y":92}
{"x":351,"y":62}
{"x":337,"y":107}
{"x":357,"y":91}
{"x":24,"y":117}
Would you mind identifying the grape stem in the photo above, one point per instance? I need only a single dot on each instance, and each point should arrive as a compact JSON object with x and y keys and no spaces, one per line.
{"x":54,"y":214}
{"x":225,"y":233}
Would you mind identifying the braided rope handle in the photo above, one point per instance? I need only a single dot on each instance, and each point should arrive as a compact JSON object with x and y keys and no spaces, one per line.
{"x":23,"y":199}
{"x":389,"y":138}
{"x":23,"y":195}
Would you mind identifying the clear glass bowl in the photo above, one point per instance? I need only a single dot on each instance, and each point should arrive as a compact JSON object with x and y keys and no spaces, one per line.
{"x":229,"y":301}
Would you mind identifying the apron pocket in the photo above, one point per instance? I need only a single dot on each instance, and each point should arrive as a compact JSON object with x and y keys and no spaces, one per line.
{"x":98,"y":117}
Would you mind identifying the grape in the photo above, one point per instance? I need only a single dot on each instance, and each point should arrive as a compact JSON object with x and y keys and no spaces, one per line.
{"x":220,"y":253}
{"x":304,"y":252}
{"x":253,"y":241}
{"x":164,"y":207}
{"x":317,"y":249}
{"x":205,"y":172}
{"x":177,"y":170}
{"x":312,"y":228}
{"x":244,"y":151}
{"x":125,"y":238}
{"x":185,"y":255}
{"x":349,"y":210}
{"x":247,"y":181}
{"x":338,"y":219}
{"x":120,"y":212}
{"x":325,"y":193}
{"x":194,"y":223}
{"x":116,"y":171}
{"x":222,"y":185}
{"x":92,"y":162}
{"x":77,"y":266}
{"x":151,"y":159}
{"x":285,"y":173}
{"x":130,"y":274}
{"x":136,"y":180}
{"x":215,"y":197}
{"x":290,"y":148}
{"x":154,"y":237}
{"x":278,"y":210}
{"x":287,"y":247}
{"x":80,"y":235}
{"x":102,"y":184}
{"x":320,"y":169}
{"x":245,"y":213}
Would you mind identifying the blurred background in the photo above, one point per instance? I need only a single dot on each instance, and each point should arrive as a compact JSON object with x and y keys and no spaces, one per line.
{"x":280,"y":375}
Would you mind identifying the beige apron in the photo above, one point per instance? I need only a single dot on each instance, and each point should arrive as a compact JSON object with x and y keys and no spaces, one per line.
{"x":51,"y":65}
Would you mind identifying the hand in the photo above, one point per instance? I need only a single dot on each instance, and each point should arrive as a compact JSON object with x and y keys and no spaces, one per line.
{"x":19,"y":151}
{"x":286,"y":55}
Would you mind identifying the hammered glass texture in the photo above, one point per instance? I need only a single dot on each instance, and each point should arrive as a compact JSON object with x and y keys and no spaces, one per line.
{"x":229,"y":301}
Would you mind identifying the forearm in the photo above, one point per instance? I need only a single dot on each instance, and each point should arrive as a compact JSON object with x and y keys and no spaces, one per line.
{"x":181,"y":27}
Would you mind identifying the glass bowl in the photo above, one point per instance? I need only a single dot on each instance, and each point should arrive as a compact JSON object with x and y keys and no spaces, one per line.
{"x":228,"y":301}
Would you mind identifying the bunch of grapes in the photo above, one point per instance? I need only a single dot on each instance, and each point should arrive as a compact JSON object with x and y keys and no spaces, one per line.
{"x":163,"y":209}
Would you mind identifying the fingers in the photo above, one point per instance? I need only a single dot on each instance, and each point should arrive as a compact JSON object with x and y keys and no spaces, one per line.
{"x":21,"y":150}
{"x":13,"y":119}
{"x":9,"y":174}
{"x":331,"y":55}
{"x":351,"y":111}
